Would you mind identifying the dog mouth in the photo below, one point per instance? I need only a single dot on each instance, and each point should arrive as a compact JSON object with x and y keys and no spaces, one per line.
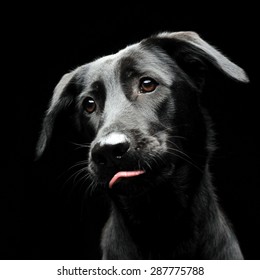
{"x":124,"y":174}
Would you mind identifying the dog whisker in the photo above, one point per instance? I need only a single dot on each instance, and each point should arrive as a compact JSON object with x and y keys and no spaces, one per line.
{"x":78,"y":175}
{"x":173,"y":143}
{"x":158,"y":156}
{"x":148,"y":165}
{"x":80,"y":145}
{"x":79,"y":163}
{"x":92,"y":186}
{"x":186,"y":160}
{"x":179,"y":151}
{"x":75,"y":176}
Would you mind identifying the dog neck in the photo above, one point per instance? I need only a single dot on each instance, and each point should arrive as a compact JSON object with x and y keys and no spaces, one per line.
{"x":161,"y":214}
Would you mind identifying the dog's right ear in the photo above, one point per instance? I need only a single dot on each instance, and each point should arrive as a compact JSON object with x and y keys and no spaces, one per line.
{"x":63,"y":101}
{"x":194,"y":55}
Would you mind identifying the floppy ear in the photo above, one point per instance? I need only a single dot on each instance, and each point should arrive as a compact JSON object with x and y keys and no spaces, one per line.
{"x":195,"y":48}
{"x":62,"y":101}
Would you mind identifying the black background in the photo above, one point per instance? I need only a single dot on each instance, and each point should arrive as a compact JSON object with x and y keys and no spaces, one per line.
{"x":44,"y":220}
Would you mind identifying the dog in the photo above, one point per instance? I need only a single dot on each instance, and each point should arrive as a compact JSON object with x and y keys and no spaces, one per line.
{"x":150,"y":140}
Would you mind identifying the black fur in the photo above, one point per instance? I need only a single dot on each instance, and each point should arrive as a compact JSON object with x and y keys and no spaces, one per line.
{"x":170,"y":211}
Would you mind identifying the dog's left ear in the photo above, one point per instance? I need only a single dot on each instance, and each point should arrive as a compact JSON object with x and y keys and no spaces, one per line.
{"x":190,"y":49}
{"x":62,"y":104}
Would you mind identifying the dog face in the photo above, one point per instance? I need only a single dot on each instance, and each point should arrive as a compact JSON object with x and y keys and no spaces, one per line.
{"x":139,"y":109}
{"x":130,"y":108}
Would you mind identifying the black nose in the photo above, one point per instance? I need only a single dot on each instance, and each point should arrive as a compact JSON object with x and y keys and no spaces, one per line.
{"x":109,"y":154}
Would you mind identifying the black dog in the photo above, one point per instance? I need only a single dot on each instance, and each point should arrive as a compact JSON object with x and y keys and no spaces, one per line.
{"x":150,"y":144}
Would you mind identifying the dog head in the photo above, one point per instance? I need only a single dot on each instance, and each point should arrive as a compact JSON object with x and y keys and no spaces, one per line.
{"x":139,"y":109}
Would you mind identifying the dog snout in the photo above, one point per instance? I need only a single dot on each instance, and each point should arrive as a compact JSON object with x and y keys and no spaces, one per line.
{"x":110,"y":150}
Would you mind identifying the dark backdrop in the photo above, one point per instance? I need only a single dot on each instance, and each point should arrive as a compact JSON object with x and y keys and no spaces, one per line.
{"x":43,"y":215}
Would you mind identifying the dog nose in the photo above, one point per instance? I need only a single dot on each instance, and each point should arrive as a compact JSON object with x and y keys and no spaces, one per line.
{"x":108,"y":152}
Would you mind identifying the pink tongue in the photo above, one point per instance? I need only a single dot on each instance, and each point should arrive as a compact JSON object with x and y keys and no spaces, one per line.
{"x":124,"y":174}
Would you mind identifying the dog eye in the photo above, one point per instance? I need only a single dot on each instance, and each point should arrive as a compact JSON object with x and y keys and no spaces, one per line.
{"x":147,"y":85}
{"x":89,"y":105}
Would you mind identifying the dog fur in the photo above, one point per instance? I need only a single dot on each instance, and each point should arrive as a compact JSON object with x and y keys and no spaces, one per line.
{"x":141,"y":110}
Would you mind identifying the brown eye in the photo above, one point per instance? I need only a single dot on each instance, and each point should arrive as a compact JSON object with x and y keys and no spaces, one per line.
{"x":147,"y":85}
{"x":89,"y":105}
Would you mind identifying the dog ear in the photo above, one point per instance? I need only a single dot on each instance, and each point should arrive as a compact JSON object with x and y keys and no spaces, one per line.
{"x":61,"y":103}
{"x":190,"y":49}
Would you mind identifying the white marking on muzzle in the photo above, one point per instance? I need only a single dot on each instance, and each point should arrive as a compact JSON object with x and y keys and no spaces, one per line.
{"x":113,"y":138}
